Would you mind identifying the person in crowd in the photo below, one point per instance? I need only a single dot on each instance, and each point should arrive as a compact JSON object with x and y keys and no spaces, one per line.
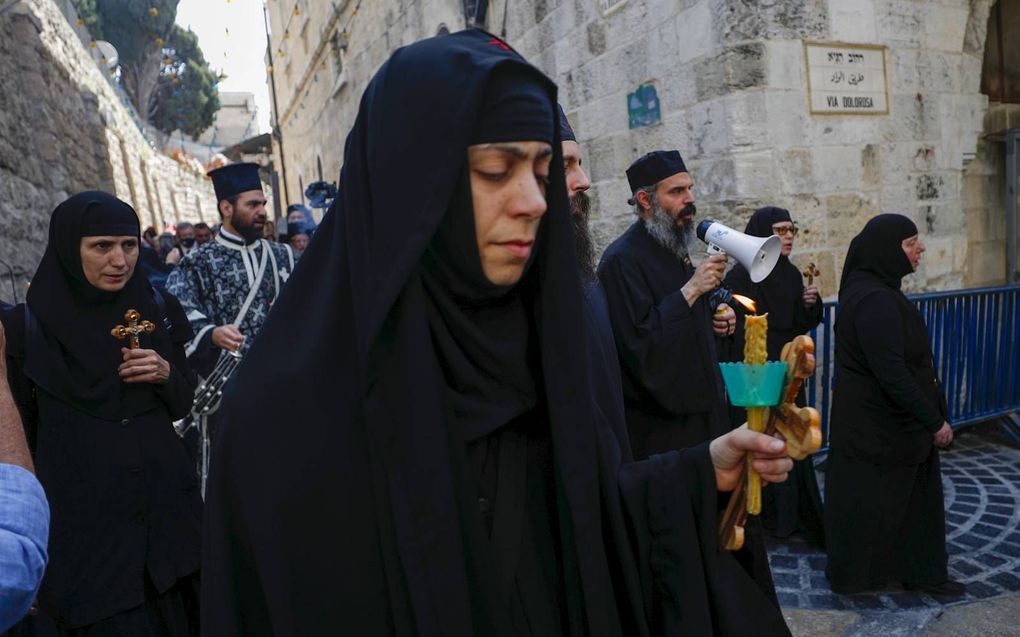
{"x":269,"y":231}
{"x":24,"y":512}
{"x":884,"y":511}
{"x":166,"y":245}
{"x":155,"y":269}
{"x":476,"y":486}
{"x":297,"y":237}
{"x":203,"y":233}
{"x":793,"y":309}
{"x":301,"y":214}
{"x":184,"y":244}
{"x":126,"y":526}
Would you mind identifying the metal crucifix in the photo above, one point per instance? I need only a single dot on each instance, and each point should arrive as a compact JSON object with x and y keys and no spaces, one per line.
{"x":133,"y":328}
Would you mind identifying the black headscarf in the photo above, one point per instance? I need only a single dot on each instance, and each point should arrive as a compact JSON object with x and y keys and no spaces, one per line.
{"x":782,"y":290}
{"x":72,"y":355}
{"x":382,"y":340}
{"x":877,"y":252}
{"x":481,"y":330}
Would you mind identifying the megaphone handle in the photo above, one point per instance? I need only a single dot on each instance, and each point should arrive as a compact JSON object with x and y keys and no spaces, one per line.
{"x":714,"y":249}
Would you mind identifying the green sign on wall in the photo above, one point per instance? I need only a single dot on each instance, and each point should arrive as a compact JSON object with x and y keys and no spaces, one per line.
{"x":643,"y":106}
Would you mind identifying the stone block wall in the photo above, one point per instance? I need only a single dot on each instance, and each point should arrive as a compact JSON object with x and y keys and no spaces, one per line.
{"x":64,"y":129}
{"x":731,"y":80}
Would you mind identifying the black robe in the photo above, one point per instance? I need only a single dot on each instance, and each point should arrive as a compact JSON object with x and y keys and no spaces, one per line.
{"x":369,"y":521}
{"x":672,"y":386}
{"x":884,"y":504}
{"x":125,"y":530}
{"x":795,"y":504}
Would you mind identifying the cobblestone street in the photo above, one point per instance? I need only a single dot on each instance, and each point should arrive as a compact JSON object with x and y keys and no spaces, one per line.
{"x":981,"y":477}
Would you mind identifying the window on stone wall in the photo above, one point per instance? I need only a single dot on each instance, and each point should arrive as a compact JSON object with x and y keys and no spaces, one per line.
{"x":1000,"y":78}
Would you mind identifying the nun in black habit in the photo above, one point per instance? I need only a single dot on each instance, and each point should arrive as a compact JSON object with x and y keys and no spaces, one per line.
{"x":884,"y":512}
{"x":450,"y":471}
{"x":126,"y":513}
{"x":796,"y":504}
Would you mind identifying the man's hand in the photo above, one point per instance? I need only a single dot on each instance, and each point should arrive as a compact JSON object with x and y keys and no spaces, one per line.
{"x":728,"y":451}
{"x":810,"y":296}
{"x":724,"y":321}
{"x":228,"y":337}
{"x":944,"y":436}
{"x":143,"y":366}
{"x":707,"y":277}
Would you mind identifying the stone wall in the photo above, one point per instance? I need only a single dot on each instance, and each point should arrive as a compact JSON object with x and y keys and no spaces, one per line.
{"x":64,"y":129}
{"x":732,"y":88}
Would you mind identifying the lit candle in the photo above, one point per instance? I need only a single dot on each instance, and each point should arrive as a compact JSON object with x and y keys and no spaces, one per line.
{"x":755,"y":353}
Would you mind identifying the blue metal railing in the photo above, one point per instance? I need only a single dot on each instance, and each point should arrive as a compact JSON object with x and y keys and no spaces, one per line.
{"x":975,"y":338}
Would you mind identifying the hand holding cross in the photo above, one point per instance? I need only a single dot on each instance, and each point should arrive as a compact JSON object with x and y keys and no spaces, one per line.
{"x":133,"y":329}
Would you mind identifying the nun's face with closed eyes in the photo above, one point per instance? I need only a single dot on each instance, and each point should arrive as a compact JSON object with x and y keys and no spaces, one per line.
{"x":508,"y":185}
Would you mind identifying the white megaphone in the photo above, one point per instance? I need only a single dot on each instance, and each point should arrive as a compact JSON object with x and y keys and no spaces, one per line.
{"x":758,"y":255}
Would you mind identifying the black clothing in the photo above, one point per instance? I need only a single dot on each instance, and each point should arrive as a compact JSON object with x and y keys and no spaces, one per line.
{"x":671,"y":381}
{"x":124,"y":504}
{"x":795,"y":504}
{"x":402,"y":545}
{"x":887,"y":404}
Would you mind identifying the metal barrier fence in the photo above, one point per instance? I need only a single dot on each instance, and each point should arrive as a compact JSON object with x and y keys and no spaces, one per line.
{"x":975,"y":337}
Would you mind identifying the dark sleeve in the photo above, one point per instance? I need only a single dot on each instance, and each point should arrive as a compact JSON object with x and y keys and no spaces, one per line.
{"x":806,"y":319}
{"x":178,"y":392}
{"x":690,"y":586}
{"x":23,"y":391}
{"x":657,"y":343}
{"x":879,"y":327}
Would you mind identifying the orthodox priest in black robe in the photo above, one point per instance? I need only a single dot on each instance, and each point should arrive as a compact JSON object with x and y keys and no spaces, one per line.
{"x":661,"y":315}
{"x":885,"y":517}
{"x":793,"y":309}
{"x":450,"y":470}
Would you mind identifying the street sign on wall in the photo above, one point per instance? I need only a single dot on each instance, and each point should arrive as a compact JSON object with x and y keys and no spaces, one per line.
{"x":846,"y":79}
{"x":643,"y":106}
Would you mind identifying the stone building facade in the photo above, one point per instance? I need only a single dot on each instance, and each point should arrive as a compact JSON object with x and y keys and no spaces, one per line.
{"x":64,"y":129}
{"x":729,"y":83}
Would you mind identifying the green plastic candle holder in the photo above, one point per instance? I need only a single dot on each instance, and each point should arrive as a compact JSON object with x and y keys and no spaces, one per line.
{"x":754,"y":385}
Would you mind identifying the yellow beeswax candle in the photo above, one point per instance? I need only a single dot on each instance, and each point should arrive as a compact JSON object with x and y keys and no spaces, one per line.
{"x":755,"y":353}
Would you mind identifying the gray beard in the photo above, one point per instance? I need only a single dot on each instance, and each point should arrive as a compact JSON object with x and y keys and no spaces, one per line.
{"x":668,"y":234}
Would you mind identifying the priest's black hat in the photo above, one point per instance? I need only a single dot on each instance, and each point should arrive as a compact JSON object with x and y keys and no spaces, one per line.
{"x":233,"y":179}
{"x":653,"y":167}
{"x":566,"y":132}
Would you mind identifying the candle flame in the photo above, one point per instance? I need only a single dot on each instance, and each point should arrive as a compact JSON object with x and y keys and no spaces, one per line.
{"x":746,"y":302}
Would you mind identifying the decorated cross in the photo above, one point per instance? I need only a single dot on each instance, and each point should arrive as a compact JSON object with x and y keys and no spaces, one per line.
{"x":133,"y":328}
{"x":811,"y":273}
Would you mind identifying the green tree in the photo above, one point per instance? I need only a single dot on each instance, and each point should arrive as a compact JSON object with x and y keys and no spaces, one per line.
{"x":162,"y":67}
{"x":186,"y":97}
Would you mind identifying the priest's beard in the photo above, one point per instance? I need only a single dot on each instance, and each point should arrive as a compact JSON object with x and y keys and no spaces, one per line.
{"x":580,"y":207}
{"x":670,"y":234}
{"x":247,"y":229}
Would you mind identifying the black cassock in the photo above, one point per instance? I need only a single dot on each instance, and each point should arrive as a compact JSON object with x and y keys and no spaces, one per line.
{"x":672,"y":386}
{"x":368,"y":507}
{"x":884,"y":510}
{"x":885,"y":517}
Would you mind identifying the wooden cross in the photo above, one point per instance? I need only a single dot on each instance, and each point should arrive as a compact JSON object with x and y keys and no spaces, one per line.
{"x":811,"y":272}
{"x":133,"y":329}
{"x":801,"y":426}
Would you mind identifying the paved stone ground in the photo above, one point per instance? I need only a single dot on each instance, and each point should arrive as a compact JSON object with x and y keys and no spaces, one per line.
{"x":981,"y":476}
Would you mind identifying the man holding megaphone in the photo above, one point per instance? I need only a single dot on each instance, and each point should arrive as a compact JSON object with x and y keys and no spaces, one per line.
{"x":665,"y":324}
{"x":659,"y":307}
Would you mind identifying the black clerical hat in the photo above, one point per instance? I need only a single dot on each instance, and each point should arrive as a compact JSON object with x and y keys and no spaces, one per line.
{"x":566,"y":132}
{"x":233,"y":179}
{"x":654,"y":167}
